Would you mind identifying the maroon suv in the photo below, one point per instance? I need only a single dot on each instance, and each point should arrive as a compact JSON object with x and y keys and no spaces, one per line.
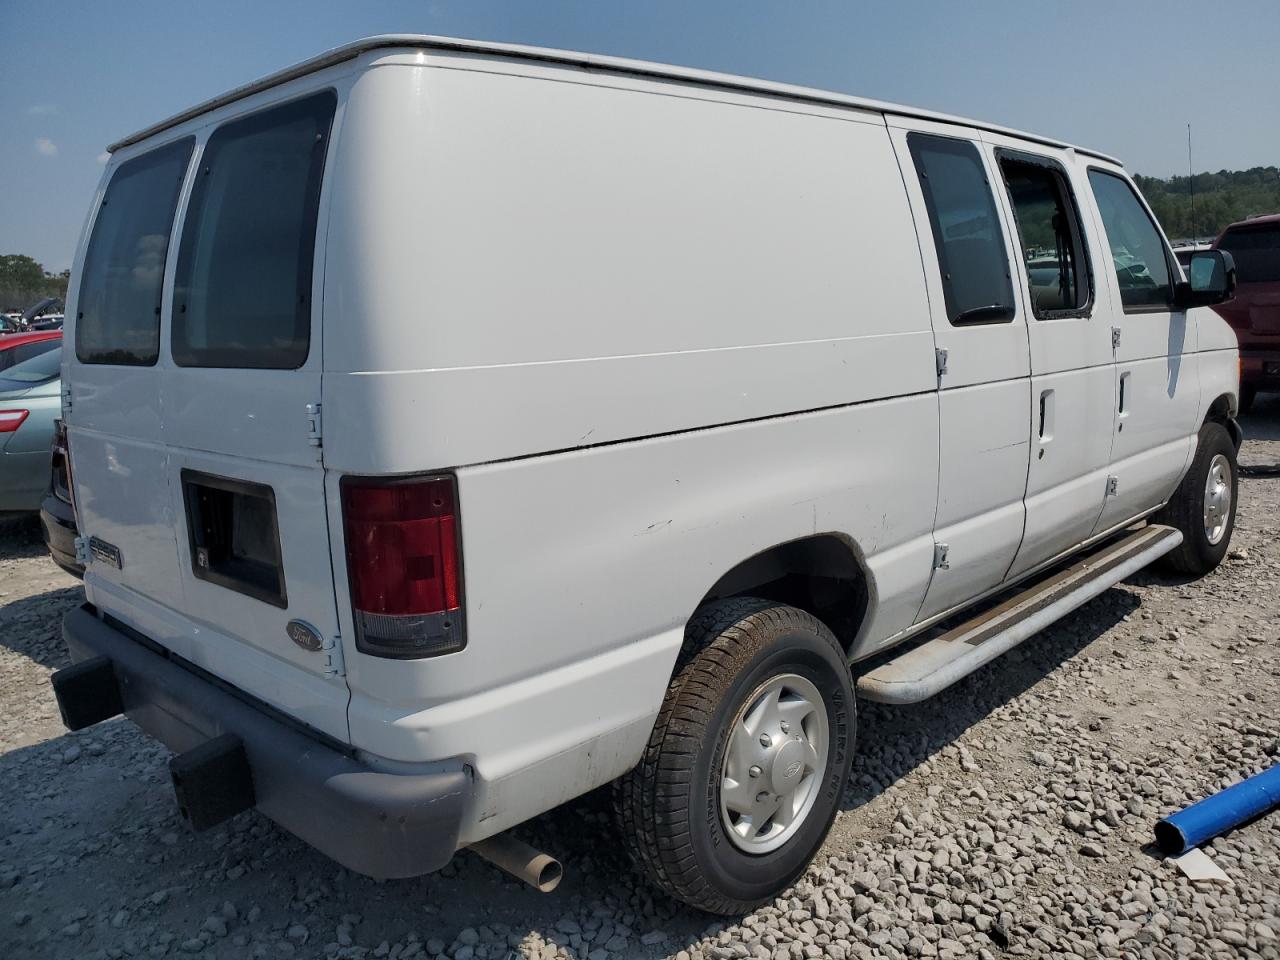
{"x":1255,"y":311}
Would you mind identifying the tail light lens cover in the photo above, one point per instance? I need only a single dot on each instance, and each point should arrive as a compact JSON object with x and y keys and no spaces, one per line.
{"x":11,"y":420}
{"x":404,"y":565}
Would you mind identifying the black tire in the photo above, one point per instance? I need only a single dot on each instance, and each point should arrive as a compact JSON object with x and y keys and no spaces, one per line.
{"x":1196,"y":555}
{"x":1247,"y":396}
{"x":668,"y":807}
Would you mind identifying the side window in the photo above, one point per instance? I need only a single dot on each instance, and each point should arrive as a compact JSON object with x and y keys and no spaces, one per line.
{"x":1051,"y":240}
{"x":966,"y":230}
{"x":242,"y":294}
{"x":1137,"y":251}
{"x":118,"y":314}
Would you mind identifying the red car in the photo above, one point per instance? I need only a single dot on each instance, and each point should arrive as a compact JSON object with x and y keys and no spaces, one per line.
{"x":1255,"y":311}
{"x":16,"y":347}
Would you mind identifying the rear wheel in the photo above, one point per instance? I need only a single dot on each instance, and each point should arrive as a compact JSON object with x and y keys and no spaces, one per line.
{"x":1204,"y":505}
{"x":746,"y":765}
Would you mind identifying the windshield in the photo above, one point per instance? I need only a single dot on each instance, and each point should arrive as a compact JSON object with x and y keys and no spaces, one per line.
{"x":30,"y":373}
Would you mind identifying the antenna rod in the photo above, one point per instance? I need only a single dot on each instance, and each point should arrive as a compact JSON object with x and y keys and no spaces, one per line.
{"x":1191,"y":181}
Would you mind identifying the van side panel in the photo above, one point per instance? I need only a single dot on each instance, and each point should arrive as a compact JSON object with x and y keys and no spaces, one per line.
{"x":582,"y":568}
{"x":654,"y":331}
{"x":1218,"y":359}
{"x":517,"y":265}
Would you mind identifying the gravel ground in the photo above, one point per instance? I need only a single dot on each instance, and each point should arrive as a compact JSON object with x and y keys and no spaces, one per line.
{"x":1010,"y":815}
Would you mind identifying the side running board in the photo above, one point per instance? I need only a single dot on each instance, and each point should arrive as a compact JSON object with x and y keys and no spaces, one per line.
{"x":933,"y":666}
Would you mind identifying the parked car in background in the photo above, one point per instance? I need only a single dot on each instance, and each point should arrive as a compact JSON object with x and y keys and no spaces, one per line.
{"x":30,"y":401}
{"x":57,"y":512}
{"x":10,"y":322}
{"x":1255,"y":311}
{"x":1182,"y":250}
{"x":19,"y":347}
{"x":42,"y":311}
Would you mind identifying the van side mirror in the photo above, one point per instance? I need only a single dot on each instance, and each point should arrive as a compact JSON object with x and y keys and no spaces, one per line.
{"x":1212,"y":280}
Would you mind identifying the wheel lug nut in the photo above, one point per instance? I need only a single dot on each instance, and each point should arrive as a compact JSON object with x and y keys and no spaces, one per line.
{"x":765,"y":740}
{"x":755,"y":771}
{"x":786,"y":727}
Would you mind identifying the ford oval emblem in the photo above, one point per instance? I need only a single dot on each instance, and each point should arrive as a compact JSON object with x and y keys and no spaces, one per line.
{"x":792,"y":769}
{"x":304,"y":635}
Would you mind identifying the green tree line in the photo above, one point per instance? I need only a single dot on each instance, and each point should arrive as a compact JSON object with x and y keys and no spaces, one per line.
{"x":1219,"y":199}
{"x":24,"y":281}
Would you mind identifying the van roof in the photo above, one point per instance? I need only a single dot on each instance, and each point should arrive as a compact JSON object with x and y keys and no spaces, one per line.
{"x":590,"y":61}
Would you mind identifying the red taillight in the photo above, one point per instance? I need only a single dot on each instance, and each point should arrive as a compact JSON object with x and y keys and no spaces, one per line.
{"x":11,"y":420}
{"x":402,"y":562}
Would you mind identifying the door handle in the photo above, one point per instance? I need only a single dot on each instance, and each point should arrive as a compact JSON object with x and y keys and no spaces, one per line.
{"x":1124,"y":393}
{"x":1046,"y":417}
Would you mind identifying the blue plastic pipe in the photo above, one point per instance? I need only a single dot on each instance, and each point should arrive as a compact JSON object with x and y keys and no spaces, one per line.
{"x":1213,"y":815}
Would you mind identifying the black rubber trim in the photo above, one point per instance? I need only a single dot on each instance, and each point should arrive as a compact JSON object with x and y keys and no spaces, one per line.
{"x":230,"y":690}
{"x":384,"y":825}
{"x":87,"y":693}
{"x":58,"y":527}
{"x":212,"y":783}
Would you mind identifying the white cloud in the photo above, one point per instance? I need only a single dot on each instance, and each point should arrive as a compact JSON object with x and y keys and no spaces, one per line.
{"x":103,"y":157}
{"x":46,"y":147}
{"x":42,"y":109}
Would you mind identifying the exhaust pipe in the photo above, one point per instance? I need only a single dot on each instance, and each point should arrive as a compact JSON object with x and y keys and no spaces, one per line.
{"x":537,"y":869}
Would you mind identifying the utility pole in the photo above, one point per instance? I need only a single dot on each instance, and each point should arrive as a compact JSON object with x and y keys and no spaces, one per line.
{"x":1191,"y":182}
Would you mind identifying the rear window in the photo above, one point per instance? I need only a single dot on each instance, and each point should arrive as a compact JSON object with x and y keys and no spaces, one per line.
{"x":35,"y":370}
{"x":242,"y":295}
{"x":1256,"y":251}
{"x":26,"y":351}
{"x":118,"y":314}
{"x":966,"y":230}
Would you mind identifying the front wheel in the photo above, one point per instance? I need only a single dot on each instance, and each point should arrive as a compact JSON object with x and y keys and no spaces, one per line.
{"x":1204,"y":505}
{"x":747,"y":763}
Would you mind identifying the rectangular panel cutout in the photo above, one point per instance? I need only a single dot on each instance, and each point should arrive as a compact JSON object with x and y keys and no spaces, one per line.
{"x":234,"y":536}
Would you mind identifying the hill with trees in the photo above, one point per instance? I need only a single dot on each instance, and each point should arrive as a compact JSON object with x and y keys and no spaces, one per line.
{"x":23,"y":282}
{"x":1220,"y":198}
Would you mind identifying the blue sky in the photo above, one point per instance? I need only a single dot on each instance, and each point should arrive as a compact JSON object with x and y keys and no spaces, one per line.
{"x":1125,"y":78}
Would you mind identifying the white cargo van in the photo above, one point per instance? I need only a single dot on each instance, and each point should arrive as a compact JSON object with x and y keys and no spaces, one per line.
{"x":459,"y":427}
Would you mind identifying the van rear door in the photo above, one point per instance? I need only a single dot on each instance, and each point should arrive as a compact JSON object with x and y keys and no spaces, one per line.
{"x":216,"y":511}
{"x":111,"y":381}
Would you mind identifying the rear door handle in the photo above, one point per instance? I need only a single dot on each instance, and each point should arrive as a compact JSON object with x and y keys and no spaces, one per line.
{"x":1124,"y":392}
{"x":1046,"y":415}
